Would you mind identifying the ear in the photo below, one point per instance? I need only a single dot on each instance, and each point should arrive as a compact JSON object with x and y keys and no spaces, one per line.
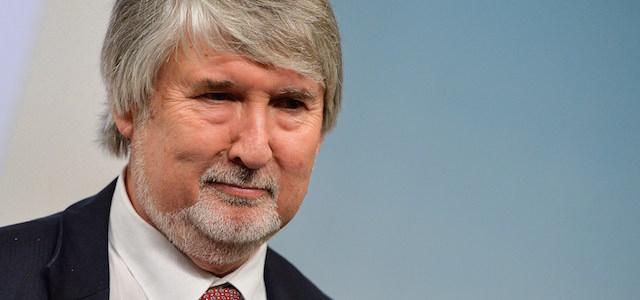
{"x":124,"y":122}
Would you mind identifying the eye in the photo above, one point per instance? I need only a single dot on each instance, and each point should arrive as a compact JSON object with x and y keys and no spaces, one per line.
{"x":217,"y":96}
{"x":289,"y":103}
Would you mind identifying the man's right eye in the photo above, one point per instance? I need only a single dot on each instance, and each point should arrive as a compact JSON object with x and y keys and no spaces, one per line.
{"x":217,"y":96}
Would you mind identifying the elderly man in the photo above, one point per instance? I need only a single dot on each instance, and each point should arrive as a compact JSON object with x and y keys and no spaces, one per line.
{"x":221,"y":107}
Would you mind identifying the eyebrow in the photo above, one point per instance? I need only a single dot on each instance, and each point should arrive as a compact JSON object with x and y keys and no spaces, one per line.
{"x":301,"y":94}
{"x":298,"y":94}
{"x":210,"y":84}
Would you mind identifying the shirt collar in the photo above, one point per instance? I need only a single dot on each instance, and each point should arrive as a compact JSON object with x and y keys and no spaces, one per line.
{"x":161,"y":269}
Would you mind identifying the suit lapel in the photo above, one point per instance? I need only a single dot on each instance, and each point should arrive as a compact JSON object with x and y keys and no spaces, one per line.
{"x":273,"y":284}
{"x":80,"y":264}
{"x":283,"y":281}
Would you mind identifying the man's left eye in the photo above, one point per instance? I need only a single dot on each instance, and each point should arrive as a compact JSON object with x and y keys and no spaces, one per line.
{"x":289,"y":103}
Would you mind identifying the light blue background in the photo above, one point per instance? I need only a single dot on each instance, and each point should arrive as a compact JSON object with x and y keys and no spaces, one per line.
{"x":486,"y":150}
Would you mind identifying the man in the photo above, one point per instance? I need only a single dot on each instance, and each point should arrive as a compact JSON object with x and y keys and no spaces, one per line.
{"x":222,"y":107}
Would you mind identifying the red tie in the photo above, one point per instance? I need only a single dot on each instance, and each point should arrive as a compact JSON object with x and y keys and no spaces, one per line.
{"x":222,"y":292}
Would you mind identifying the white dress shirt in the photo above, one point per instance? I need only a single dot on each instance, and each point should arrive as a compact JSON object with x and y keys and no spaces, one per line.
{"x":143,"y":264}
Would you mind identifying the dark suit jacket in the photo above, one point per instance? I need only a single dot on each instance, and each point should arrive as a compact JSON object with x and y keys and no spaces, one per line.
{"x":65,"y":256}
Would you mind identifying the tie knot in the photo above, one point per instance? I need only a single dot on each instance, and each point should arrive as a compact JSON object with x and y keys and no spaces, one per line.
{"x":222,"y":292}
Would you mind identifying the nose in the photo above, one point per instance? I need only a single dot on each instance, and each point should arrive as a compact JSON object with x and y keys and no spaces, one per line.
{"x":250,"y":147}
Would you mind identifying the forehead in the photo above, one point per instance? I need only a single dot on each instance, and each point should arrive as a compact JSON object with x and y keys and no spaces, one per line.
{"x":191,"y":63}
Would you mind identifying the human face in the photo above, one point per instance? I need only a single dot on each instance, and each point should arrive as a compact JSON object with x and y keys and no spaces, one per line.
{"x":225,"y":151}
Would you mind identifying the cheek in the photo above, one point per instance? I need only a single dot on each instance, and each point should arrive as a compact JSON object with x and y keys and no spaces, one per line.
{"x":291,"y":197}
{"x":176,"y":156}
{"x":170,"y":183}
{"x":195,"y":139}
{"x":296,"y":166}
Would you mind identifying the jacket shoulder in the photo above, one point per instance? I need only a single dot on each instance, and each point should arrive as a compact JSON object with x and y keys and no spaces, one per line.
{"x":25,"y":250}
{"x":36,"y":262}
{"x":284,"y":281}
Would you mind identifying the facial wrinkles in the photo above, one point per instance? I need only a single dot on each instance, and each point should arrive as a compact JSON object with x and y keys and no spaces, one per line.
{"x":217,"y":227}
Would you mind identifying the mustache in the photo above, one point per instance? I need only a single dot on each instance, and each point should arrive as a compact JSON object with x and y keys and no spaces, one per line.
{"x":232,"y":174}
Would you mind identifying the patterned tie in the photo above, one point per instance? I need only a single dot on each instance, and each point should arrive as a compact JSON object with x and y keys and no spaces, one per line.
{"x":222,"y":292}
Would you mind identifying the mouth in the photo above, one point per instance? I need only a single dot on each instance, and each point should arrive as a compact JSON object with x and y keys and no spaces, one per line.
{"x":239,"y":191}
{"x":240,"y":186}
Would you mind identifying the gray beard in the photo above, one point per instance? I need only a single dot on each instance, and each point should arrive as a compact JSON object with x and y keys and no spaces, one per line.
{"x":204,"y":231}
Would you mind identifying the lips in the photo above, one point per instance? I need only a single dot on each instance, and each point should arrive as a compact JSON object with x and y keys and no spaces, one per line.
{"x":240,"y":191}
{"x":239,"y":185}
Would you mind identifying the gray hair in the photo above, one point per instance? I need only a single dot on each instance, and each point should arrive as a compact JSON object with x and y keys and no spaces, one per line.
{"x":299,"y":35}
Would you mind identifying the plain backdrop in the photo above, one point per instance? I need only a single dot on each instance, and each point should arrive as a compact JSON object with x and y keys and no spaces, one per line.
{"x":486,"y":149}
